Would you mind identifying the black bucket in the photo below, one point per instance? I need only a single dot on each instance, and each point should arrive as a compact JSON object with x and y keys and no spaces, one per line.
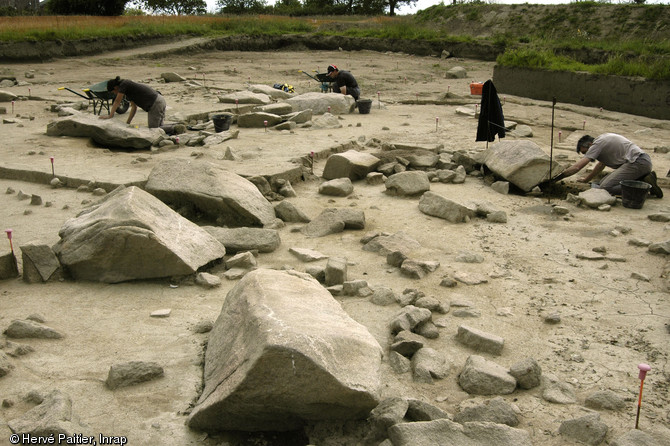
{"x":221,"y":122}
{"x":364,"y":106}
{"x":633,"y":193}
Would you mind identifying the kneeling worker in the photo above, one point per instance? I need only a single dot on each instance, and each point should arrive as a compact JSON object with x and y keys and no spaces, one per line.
{"x":616,"y":152}
{"x":345,"y":82}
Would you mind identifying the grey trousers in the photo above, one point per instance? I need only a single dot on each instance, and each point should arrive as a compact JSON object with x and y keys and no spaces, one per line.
{"x":157,"y":112}
{"x":628,"y":171}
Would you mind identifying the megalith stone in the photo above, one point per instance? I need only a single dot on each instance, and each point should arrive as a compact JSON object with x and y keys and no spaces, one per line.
{"x":438,"y":206}
{"x":351,"y":164}
{"x":284,"y":352}
{"x":258,"y":120}
{"x":320,"y":103}
{"x":107,"y":132}
{"x":130,"y":235}
{"x":522,"y":163}
{"x":224,"y":196}
{"x":274,"y":93}
{"x":245,"y":97}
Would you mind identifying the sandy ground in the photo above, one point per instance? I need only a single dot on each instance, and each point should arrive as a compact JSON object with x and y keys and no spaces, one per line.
{"x":610,"y":321}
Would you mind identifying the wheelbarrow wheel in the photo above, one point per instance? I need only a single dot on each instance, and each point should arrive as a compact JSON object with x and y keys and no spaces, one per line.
{"x":123,"y":107}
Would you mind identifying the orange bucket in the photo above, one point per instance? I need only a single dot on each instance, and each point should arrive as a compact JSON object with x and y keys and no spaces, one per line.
{"x":476,"y":88}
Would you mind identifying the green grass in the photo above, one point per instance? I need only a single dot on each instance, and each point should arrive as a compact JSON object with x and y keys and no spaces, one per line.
{"x":557,"y":37}
{"x":650,"y":68}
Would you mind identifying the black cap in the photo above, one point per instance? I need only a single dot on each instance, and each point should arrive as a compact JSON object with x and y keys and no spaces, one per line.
{"x":332,"y":68}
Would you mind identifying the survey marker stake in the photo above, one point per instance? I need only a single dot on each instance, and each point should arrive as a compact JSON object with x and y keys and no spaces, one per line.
{"x":644,"y":368}
{"x":9,"y":237}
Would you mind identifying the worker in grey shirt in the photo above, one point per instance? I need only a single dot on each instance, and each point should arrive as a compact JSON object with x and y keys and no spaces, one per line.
{"x":616,"y":152}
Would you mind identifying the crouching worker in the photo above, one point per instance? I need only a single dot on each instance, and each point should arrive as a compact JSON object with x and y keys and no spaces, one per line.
{"x":616,"y":152}
{"x":345,"y":82}
{"x":143,"y":96}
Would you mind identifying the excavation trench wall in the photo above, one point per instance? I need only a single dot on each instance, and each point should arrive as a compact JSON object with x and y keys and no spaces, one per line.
{"x":617,"y":93}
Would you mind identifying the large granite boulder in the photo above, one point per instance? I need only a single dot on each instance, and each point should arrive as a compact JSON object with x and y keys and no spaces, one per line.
{"x":223,"y":196}
{"x":351,"y":164}
{"x":319,"y":103}
{"x":105,"y":132}
{"x":131,"y":235}
{"x":284,"y":352}
{"x":522,"y":163}
{"x":245,"y":97}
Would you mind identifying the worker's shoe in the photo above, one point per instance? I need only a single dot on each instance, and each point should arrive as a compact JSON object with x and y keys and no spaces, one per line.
{"x":650,"y":179}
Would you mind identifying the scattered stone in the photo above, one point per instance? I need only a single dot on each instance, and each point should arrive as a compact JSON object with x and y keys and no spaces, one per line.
{"x":587,"y":429}
{"x":482,"y":377}
{"x":456,"y":73}
{"x":470,"y":278}
{"x":336,"y":271}
{"x":407,"y":183}
{"x":407,"y":343}
{"x":207,"y":280}
{"x":635,"y":437}
{"x":351,"y":164}
{"x":448,"y":432}
{"x":495,"y":410}
{"x":30,"y":329}
{"x":502,"y":187}
{"x":527,"y":372}
{"x":131,"y":373}
{"x":52,"y":416}
{"x":480,"y":340}
{"x":639,"y":276}
{"x":203,"y":327}
{"x":558,"y":392}
{"x":467,"y":312}
{"x":388,"y":412}
{"x":339,"y":187}
{"x":417,"y":269}
{"x":40,"y":263}
{"x":399,"y":363}
{"x":660,"y":248}
{"x":245,"y":239}
{"x":287,"y":211}
{"x":165,"y":312}
{"x":661,"y":216}
{"x":408,"y":318}
{"x":605,"y":399}
{"x":383,"y":296}
{"x":429,"y":364}
{"x":242,"y":260}
{"x":553,"y":318}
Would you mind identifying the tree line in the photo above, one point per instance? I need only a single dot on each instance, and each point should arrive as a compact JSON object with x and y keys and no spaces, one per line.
{"x":199,"y":7}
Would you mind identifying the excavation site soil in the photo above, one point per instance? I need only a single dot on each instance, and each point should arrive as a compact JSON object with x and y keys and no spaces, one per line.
{"x":614,"y":314}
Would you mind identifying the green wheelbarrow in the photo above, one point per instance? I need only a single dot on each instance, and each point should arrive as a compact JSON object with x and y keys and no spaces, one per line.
{"x":323,"y":78}
{"x":100,"y":98}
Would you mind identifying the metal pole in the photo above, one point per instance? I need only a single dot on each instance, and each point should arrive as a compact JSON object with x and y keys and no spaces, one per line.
{"x":551,"y":144}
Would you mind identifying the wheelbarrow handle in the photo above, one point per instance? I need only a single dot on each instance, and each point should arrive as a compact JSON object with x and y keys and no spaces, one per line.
{"x":72,"y":91}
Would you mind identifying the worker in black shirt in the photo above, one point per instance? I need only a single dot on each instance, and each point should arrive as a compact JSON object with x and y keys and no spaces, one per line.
{"x":146,"y":98}
{"x":345,"y":82}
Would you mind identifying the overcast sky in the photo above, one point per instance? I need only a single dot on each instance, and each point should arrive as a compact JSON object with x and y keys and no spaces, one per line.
{"x":423,"y":4}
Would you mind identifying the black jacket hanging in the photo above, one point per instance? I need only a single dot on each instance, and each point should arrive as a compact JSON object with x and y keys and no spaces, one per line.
{"x":491,"y":120}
